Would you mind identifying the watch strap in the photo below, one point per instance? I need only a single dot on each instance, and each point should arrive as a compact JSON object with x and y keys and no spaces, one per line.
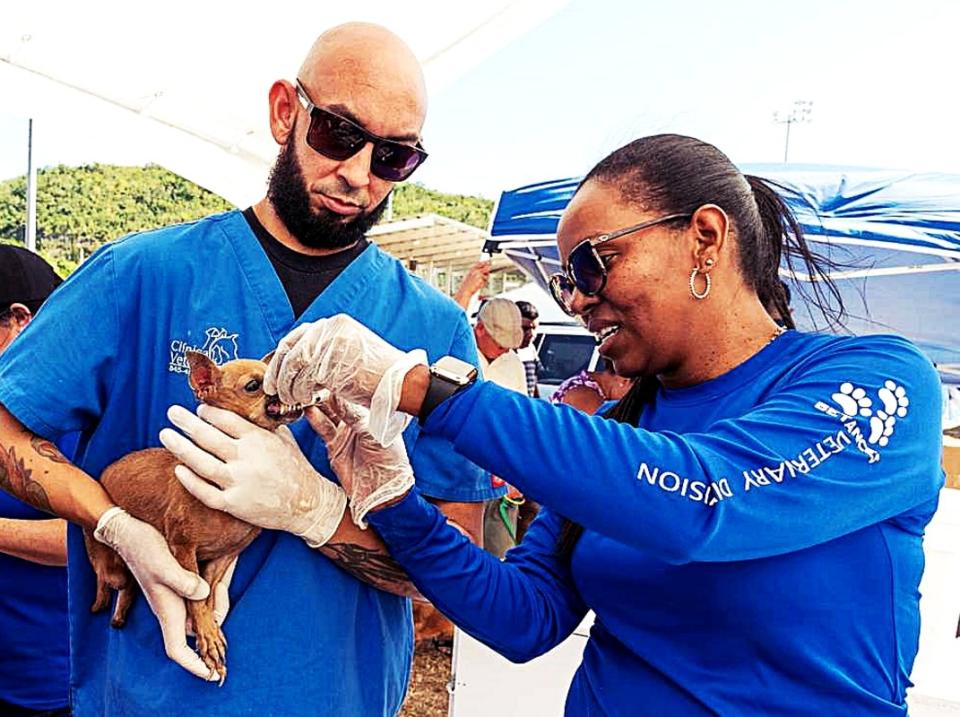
{"x":439,"y":389}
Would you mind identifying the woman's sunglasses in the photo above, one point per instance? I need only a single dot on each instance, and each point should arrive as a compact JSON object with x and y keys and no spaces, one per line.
{"x":338,"y":138}
{"x":586,"y":271}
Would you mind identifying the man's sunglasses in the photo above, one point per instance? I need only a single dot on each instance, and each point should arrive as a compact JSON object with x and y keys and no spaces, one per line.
{"x":338,"y":138}
{"x":586,"y":271}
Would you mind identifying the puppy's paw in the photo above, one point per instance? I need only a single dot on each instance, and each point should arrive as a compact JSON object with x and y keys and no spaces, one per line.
{"x":212,"y":648}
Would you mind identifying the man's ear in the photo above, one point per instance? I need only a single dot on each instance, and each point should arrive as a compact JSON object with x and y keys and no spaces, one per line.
{"x":204,"y":374}
{"x":283,"y":110}
{"x":21,"y":315}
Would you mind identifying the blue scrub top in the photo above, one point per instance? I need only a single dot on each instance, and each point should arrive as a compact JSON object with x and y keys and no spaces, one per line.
{"x":106,"y":357}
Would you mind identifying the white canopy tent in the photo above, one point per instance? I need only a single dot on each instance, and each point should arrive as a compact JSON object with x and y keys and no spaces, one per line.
{"x":188,"y":80}
{"x":438,"y":249}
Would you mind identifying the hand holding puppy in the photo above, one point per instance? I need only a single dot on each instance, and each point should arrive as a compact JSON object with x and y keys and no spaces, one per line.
{"x":163,"y":580}
{"x":256,"y":475}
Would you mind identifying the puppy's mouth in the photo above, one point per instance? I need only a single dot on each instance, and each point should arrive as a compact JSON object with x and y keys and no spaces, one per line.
{"x":282,"y":413}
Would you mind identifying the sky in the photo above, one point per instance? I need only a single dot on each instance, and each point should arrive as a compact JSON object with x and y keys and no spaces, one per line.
{"x":599,"y":73}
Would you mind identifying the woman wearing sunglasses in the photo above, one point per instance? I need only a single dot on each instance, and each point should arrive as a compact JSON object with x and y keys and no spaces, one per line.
{"x":746,"y":523}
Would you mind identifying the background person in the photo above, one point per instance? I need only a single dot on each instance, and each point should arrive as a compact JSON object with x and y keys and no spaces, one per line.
{"x":588,"y":390}
{"x":740,"y":480}
{"x":498,"y":333}
{"x":320,"y":623}
{"x":473,"y":282}
{"x":527,"y":508}
{"x":526,"y":351}
{"x":34,"y":659}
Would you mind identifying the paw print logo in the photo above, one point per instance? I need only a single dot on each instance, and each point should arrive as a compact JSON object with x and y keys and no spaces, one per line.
{"x":894,"y":397}
{"x":853,"y":400}
{"x":881,"y":428}
{"x":895,"y":404}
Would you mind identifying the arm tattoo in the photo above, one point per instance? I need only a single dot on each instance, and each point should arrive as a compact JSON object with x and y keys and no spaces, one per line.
{"x":16,"y":478}
{"x":371,"y":566}
{"x":47,"y":449}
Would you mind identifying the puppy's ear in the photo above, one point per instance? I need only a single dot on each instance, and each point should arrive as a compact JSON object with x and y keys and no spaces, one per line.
{"x":269,"y":357}
{"x":204,"y":375}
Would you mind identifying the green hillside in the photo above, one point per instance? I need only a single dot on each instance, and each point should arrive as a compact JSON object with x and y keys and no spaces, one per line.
{"x":80,"y":208}
{"x":413,"y":199}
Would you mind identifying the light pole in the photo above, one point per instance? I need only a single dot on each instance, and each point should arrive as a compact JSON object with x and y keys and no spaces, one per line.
{"x":799,"y":113}
{"x":30,"y":233}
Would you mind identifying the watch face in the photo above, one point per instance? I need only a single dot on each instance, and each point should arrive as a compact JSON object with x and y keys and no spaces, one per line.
{"x":454,"y":370}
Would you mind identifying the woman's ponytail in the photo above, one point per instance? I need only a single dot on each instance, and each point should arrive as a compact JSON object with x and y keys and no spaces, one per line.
{"x":781,"y":238}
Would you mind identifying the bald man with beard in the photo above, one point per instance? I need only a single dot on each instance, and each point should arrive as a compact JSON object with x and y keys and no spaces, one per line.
{"x":317,"y":625}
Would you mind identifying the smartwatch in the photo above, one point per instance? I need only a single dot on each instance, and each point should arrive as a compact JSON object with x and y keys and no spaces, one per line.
{"x":447,"y":376}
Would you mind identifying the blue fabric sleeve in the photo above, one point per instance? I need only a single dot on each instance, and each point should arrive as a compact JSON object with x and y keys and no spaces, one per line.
{"x":521,"y":607}
{"x":55,"y":377}
{"x":440,"y":471}
{"x":787,"y":475}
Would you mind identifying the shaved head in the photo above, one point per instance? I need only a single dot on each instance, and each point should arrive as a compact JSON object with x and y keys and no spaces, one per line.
{"x":366,"y":75}
{"x":363,"y":58}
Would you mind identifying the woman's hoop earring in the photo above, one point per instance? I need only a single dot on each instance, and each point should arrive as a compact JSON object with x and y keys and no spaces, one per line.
{"x":693,"y":284}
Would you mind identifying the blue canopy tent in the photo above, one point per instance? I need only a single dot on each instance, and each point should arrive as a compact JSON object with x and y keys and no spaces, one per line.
{"x":894,"y":235}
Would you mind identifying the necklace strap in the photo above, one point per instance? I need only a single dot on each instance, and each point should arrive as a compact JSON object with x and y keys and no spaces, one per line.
{"x":780,"y":331}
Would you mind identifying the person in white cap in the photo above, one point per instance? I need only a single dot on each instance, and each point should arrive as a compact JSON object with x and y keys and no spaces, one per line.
{"x":499,"y":331}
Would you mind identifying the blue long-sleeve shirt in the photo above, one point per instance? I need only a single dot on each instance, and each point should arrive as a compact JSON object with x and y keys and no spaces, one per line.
{"x":754,"y":547}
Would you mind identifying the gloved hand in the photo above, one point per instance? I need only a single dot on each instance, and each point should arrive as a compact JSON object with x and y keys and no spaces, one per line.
{"x":370,"y":473}
{"x":258,"y":476}
{"x":344,"y":356}
{"x":164,"y":582}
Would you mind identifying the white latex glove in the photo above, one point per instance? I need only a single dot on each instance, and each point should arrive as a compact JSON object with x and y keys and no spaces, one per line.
{"x":164,"y":582}
{"x":370,"y":473}
{"x":345,"y":357}
{"x":258,"y":476}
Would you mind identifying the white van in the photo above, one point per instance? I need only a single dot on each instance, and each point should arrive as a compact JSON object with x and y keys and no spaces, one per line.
{"x":563,"y":351}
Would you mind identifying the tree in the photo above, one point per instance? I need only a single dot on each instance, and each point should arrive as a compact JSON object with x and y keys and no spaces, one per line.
{"x":81,"y":208}
{"x":413,"y":199}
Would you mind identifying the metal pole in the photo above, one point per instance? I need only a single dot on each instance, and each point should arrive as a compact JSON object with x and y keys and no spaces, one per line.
{"x":799,"y":113}
{"x":786,"y":144}
{"x":31,"y":234}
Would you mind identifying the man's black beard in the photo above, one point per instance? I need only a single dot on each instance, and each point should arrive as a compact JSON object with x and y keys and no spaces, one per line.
{"x":287,"y":192}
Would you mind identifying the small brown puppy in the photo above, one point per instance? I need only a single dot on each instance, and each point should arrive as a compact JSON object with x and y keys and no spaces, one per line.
{"x":201,"y":539}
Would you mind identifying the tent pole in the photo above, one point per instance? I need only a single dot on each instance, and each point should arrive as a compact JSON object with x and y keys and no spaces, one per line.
{"x":31,"y":233}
